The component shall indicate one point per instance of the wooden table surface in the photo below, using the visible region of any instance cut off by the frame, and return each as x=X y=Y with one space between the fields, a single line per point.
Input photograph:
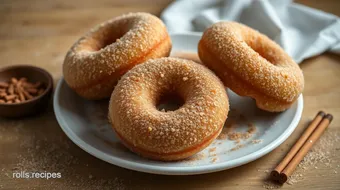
x=39 y=32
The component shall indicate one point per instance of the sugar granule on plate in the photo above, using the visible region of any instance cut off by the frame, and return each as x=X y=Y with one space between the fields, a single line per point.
x=213 y=149
x=256 y=141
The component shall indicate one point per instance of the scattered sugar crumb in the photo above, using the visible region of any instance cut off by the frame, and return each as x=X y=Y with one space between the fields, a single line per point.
x=222 y=136
x=270 y=185
x=265 y=171
x=294 y=178
x=256 y=141
x=251 y=128
x=237 y=147
x=196 y=157
x=214 y=160
x=212 y=149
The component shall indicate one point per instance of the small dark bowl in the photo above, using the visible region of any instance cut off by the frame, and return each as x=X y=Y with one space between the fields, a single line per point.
x=32 y=106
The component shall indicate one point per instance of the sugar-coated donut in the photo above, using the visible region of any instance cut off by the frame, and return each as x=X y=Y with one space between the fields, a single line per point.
x=168 y=135
x=96 y=61
x=251 y=64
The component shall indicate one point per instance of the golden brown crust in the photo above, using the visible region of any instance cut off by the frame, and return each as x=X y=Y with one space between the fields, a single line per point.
x=170 y=135
x=96 y=61
x=250 y=64
x=173 y=155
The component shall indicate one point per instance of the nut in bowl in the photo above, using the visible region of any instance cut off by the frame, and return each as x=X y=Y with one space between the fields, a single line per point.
x=24 y=90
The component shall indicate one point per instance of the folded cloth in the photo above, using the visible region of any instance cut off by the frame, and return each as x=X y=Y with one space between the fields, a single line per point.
x=301 y=31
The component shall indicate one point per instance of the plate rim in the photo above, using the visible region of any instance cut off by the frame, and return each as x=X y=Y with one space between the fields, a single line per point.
x=175 y=170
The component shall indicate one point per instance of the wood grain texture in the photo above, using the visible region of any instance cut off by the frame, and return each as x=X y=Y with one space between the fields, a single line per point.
x=39 y=32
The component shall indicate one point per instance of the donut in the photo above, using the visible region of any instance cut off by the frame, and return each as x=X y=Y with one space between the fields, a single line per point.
x=168 y=134
x=94 y=64
x=252 y=65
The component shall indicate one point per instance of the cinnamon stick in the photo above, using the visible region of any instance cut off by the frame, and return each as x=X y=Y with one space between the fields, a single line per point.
x=305 y=148
x=276 y=172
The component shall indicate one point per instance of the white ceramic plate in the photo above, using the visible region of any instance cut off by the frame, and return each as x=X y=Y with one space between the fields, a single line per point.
x=85 y=123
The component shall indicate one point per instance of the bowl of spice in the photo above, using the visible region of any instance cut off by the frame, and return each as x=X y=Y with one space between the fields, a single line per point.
x=24 y=90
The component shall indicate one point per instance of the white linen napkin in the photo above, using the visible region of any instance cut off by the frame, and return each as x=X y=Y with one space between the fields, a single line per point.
x=301 y=31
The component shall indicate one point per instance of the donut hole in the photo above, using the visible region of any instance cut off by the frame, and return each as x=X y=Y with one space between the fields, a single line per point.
x=169 y=102
x=102 y=39
x=265 y=56
x=262 y=50
x=108 y=40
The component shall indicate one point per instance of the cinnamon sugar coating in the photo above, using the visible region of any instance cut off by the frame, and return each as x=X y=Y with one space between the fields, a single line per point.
x=168 y=135
x=97 y=60
x=251 y=64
